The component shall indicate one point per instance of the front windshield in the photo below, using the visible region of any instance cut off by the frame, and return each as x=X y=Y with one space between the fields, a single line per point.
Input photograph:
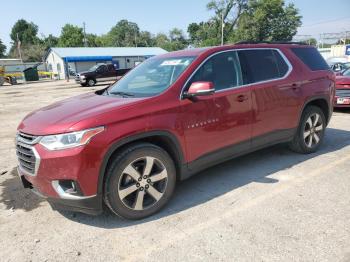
x=150 y=77
x=346 y=72
x=93 y=69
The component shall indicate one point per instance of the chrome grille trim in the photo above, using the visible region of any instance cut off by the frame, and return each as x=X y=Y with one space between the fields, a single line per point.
x=28 y=157
x=342 y=92
x=27 y=139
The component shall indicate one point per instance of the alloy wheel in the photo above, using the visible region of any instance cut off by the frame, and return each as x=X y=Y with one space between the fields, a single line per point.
x=313 y=130
x=142 y=183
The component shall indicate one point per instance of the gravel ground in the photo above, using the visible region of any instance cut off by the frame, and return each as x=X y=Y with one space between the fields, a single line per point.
x=272 y=205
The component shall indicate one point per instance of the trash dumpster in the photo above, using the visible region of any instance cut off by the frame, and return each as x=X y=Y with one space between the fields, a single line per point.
x=31 y=74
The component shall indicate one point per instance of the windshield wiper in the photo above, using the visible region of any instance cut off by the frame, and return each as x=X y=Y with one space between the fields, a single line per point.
x=123 y=94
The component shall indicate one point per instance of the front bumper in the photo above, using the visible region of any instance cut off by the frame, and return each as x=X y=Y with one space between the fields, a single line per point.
x=68 y=178
x=91 y=205
x=80 y=80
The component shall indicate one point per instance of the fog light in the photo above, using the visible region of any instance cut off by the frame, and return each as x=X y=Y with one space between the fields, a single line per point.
x=67 y=188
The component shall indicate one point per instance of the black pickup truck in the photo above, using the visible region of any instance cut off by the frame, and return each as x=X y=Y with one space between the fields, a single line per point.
x=100 y=73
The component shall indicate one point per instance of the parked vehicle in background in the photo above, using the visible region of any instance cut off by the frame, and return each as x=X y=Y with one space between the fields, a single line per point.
x=99 y=73
x=342 y=93
x=339 y=67
x=6 y=78
x=171 y=117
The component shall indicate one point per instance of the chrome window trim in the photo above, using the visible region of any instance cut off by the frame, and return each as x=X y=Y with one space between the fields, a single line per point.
x=290 y=68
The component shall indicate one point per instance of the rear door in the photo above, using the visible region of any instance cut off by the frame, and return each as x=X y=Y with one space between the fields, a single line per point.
x=111 y=74
x=215 y=123
x=275 y=98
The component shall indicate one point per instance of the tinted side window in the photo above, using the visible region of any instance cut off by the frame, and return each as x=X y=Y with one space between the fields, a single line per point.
x=223 y=70
x=261 y=65
x=311 y=57
x=102 y=69
x=281 y=64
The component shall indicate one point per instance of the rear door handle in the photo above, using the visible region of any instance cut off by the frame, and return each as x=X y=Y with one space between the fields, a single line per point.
x=241 y=98
x=293 y=86
x=296 y=85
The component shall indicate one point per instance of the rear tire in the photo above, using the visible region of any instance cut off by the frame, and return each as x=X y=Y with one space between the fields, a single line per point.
x=310 y=133
x=140 y=181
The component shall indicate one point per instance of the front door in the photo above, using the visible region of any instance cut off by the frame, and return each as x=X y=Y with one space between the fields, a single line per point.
x=218 y=125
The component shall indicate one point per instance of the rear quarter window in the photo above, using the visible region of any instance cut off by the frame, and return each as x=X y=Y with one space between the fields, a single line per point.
x=311 y=57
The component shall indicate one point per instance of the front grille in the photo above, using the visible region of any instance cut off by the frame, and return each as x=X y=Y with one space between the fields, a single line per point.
x=342 y=92
x=28 y=158
x=27 y=139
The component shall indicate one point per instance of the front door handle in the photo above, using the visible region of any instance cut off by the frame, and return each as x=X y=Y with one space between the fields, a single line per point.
x=241 y=98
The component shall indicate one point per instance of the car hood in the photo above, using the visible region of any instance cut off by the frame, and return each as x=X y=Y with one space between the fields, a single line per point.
x=86 y=73
x=342 y=80
x=61 y=117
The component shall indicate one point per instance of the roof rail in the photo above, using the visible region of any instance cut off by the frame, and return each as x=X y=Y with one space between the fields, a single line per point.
x=269 y=42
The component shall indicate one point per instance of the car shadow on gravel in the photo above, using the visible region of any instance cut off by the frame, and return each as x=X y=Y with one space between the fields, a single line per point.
x=14 y=196
x=223 y=178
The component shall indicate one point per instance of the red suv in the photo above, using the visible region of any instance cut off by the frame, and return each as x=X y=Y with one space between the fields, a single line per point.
x=126 y=146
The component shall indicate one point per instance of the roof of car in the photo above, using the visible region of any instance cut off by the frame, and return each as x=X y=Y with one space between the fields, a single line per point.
x=240 y=45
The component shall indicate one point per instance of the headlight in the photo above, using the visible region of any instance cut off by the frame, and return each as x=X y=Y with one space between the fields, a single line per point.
x=82 y=77
x=69 y=140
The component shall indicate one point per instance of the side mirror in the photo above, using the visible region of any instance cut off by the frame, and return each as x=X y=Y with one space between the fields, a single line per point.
x=200 y=89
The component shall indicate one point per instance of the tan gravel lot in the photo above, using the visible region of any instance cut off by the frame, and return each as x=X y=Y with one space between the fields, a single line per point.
x=272 y=205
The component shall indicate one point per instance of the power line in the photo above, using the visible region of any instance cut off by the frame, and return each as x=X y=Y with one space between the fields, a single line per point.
x=324 y=22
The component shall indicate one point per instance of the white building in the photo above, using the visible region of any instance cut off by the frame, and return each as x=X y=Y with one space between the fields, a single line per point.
x=63 y=60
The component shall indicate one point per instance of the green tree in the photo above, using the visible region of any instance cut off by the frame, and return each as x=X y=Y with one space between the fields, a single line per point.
x=227 y=13
x=161 y=40
x=27 y=32
x=103 y=40
x=2 y=49
x=204 y=34
x=50 y=41
x=30 y=52
x=93 y=40
x=145 y=39
x=71 y=36
x=124 y=33
x=175 y=41
x=268 y=20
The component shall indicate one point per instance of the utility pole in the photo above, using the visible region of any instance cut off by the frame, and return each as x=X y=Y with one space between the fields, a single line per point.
x=85 y=41
x=135 y=38
x=19 y=48
x=222 y=27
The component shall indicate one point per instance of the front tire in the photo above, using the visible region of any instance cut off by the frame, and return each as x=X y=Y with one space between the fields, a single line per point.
x=310 y=134
x=140 y=181
x=91 y=82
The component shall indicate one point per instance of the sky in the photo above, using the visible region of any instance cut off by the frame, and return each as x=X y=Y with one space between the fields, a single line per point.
x=319 y=16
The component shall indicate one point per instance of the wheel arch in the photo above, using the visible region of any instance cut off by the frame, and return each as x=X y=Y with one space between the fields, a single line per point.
x=163 y=139
x=320 y=101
